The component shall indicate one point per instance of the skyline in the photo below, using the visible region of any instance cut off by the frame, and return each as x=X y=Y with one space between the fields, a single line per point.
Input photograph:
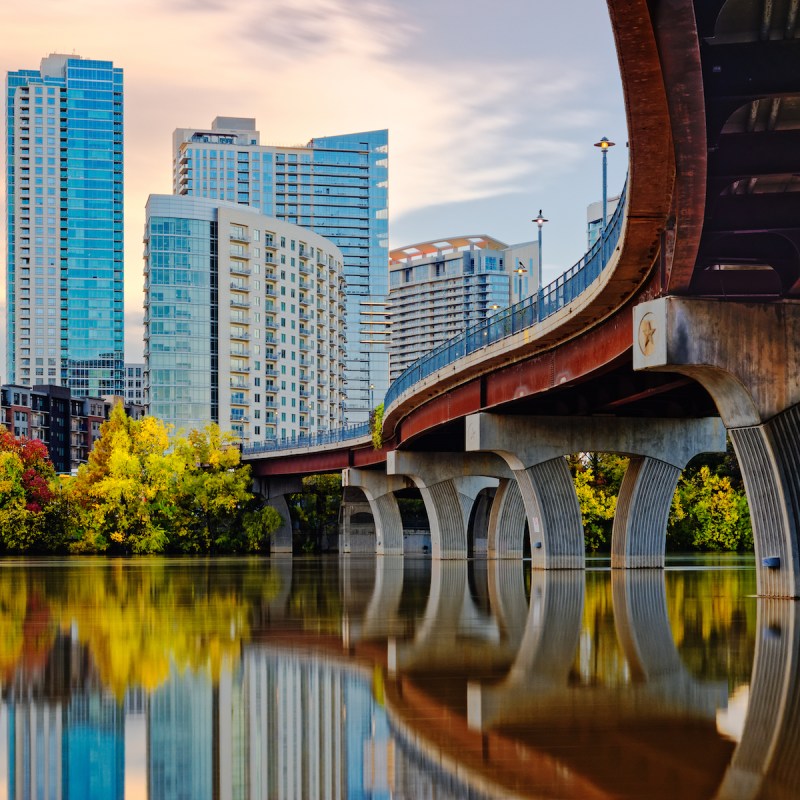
x=467 y=154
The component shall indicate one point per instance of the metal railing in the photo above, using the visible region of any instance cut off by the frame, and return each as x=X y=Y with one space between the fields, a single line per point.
x=522 y=315
x=304 y=440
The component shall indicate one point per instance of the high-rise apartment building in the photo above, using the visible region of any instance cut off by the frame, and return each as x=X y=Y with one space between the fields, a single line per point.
x=134 y=383
x=243 y=321
x=439 y=288
x=335 y=185
x=64 y=225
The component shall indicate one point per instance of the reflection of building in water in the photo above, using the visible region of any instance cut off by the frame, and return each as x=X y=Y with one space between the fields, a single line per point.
x=66 y=750
x=280 y=726
x=180 y=738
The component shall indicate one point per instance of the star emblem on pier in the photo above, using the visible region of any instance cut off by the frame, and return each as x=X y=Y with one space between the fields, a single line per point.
x=647 y=334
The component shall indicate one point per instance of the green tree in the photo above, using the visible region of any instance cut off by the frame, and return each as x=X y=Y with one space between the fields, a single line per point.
x=709 y=514
x=598 y=477
x=316 y=508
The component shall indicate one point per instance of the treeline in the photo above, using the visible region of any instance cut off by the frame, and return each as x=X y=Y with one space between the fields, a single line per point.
x=709 y=510
x=142 y=491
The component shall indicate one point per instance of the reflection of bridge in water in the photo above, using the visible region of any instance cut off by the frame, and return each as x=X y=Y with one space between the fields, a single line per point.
x=530 y=725
x=451 y=676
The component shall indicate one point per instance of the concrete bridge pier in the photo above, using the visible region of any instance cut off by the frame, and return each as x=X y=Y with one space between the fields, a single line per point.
x=449 y=484
x=274 y=492
x=747 y=356
x=534 y=449
x=506 y=521
x=379 y=490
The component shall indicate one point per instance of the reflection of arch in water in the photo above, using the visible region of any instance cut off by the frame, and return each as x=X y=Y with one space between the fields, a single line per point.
x=453 y=632
x=545 y=655
x=279 y=571
x=380 y=618
x=766 y=763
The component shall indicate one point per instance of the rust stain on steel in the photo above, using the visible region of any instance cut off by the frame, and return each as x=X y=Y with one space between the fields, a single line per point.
x=305 y=464
x=459 y=402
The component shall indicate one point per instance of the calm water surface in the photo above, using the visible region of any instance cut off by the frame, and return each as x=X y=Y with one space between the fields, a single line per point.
x=393 y=678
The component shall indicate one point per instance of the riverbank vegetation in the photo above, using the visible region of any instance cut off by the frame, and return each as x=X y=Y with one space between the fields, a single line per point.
x=142 y=491
x=709 y=510
x=146 y=491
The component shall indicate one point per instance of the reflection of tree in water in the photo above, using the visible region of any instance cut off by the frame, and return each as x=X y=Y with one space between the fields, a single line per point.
x=712 y=616
x=135 y=618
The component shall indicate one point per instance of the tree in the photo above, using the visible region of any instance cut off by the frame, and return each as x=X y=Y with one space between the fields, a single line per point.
x=31 y=505
x=316 y=508
x=598 y=477
x=709 y=514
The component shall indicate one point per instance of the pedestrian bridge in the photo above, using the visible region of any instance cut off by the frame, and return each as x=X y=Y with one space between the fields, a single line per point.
x=681 y=325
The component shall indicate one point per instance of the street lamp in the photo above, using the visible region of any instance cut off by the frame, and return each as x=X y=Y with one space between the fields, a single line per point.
x=604 y=145
x=540 y=221
x=371 y=396
x=520 y=271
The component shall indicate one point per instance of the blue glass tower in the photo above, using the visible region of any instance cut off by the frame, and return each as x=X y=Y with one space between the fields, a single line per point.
x=338 y=187
x=65 y=225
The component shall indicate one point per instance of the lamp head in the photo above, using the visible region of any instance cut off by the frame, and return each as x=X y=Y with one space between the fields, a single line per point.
x=604 y=144
x=540 y=220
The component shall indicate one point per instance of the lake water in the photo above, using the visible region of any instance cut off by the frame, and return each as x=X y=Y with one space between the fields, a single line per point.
x=394 y=678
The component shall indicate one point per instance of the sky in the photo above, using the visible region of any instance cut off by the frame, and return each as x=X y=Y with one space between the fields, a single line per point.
x=492 y=107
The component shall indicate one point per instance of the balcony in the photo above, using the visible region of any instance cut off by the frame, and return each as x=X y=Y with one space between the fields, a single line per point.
x=239 y=302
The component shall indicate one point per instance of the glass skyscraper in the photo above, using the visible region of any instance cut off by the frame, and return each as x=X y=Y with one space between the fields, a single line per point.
x=338 y=187
x=65 y=225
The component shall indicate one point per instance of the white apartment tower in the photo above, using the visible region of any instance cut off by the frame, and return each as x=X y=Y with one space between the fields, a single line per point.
x=244 y=321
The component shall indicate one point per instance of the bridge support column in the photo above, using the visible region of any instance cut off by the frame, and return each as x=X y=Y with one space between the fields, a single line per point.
x=379 y=490
x=533 y=447
x=274 y=491
x=640 y=521
x=506 y=521
x=747 y=356
x=449 y=484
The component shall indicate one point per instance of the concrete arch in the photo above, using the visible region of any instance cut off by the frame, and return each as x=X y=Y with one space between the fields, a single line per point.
x=379 y=492
x=478 y=525
x=506 y=521
x=759 y=401
x=449 y=484
x=640 y=522
x=534 y=448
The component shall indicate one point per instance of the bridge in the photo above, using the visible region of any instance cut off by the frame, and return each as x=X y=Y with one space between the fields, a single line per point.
x=680 y=325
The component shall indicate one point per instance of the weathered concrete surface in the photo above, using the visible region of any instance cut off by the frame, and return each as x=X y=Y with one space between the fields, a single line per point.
x=379 y=490
x=638 y=536
x=524 y=441
x=506 y=522
x=534 y=448
x=281 y=541
x=356 y=537
x=449 y=484
x=274 y=491
x=747 y=356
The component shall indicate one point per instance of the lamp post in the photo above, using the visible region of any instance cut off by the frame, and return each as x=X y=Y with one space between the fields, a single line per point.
x=520 y=272
x=540 y=221
x=604 y=145
x=371 y=397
